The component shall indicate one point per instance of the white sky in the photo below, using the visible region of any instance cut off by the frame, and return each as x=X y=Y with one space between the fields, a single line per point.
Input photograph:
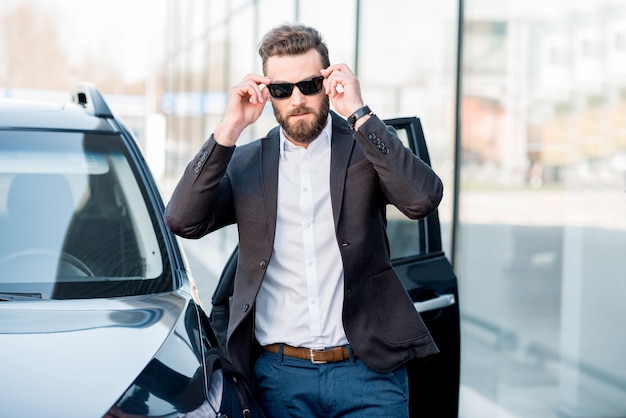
x=129 y=32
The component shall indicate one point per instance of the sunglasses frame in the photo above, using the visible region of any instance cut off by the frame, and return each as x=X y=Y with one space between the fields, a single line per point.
x=308 y=87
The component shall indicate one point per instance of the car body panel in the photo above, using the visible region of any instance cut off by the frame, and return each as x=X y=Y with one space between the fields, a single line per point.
x=83 y=346
x=428 y=277
x=19 y=114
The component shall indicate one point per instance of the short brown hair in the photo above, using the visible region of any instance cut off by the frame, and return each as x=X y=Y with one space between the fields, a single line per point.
x=292 y=39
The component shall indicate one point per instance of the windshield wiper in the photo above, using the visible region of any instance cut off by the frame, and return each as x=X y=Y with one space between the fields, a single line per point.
x=9 y=296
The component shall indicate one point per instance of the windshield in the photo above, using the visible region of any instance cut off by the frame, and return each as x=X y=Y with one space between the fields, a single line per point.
x=73 y=218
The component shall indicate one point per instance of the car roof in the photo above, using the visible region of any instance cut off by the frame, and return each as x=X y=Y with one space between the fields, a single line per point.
x=86 y=112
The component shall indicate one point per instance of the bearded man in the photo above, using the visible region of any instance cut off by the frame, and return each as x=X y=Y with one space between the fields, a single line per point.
x=320 y=324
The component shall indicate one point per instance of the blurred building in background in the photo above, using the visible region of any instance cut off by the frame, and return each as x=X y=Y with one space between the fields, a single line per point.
x=523 y=105
x=535 y=206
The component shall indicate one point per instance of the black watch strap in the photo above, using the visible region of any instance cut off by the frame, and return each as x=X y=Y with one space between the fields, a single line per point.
x=358 y=114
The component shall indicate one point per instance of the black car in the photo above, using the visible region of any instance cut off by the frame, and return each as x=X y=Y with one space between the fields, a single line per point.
x=97 y=310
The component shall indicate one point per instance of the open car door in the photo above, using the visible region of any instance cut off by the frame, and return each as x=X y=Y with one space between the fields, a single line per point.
x=427 y=275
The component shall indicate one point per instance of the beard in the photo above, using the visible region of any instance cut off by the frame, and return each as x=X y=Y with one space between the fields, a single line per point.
x=304 y=132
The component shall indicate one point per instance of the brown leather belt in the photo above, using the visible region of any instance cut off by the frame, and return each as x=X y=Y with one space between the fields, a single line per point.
x=317 y=356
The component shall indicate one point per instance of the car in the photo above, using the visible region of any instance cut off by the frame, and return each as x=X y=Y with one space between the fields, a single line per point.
x=98 y=312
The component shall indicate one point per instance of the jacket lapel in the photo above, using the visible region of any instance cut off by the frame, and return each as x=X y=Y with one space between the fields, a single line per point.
x=341 y=149
x=270 y=154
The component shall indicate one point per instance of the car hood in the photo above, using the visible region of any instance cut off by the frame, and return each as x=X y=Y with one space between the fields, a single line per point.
x=75 y=358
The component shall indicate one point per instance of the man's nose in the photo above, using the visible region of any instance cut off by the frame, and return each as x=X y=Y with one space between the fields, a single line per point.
x=297 y=98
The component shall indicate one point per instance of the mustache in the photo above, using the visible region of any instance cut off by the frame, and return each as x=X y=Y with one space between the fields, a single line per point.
x=300 y=110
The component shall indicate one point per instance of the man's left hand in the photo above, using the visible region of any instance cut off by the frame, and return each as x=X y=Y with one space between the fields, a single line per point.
x=343 y=89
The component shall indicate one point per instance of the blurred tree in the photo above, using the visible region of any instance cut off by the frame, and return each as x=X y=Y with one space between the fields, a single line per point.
x=105 y=76
x=33 y=56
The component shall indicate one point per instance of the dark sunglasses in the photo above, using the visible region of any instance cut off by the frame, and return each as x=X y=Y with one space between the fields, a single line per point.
x=308 y=87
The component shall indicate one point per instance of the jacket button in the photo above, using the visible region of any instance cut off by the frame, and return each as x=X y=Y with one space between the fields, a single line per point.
x=263 y=264
x=345 y=244
x=246 y=307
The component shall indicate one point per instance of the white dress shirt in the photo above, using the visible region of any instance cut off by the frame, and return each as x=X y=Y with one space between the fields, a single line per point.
x=301 y=298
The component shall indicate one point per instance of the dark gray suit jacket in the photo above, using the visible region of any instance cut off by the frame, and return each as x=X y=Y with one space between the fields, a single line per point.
x=369 y=169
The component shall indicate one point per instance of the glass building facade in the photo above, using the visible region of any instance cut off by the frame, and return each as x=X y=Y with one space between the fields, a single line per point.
x=523 y=105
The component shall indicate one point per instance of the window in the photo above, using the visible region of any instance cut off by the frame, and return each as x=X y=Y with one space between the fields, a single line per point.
x=75 y=214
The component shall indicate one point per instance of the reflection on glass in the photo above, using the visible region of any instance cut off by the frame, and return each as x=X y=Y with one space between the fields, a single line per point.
x=72 y=212
x=543 y=207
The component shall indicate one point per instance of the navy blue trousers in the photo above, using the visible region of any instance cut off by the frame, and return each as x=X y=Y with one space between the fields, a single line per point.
x=290 y=387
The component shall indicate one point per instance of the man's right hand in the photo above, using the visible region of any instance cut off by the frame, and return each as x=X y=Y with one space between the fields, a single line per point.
x=245 y=104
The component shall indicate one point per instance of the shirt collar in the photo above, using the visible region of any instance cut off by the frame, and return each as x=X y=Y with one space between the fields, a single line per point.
x=324 y=136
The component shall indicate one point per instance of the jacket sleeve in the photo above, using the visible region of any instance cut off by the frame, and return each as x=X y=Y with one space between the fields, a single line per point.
x=202 y=199
x=407 y=182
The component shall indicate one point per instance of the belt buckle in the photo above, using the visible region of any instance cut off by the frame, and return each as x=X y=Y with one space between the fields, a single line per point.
x=312 y=352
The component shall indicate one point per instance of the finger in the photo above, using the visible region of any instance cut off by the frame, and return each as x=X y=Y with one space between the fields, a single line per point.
x=253 y=85
x=337 y=67
x=265 y=93
x=337 y=82
x=257 y=79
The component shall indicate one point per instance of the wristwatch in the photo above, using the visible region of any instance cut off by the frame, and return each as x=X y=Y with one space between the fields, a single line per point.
x=358 y=114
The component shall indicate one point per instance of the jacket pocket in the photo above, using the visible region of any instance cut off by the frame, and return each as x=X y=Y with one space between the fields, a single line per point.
x=398 y=321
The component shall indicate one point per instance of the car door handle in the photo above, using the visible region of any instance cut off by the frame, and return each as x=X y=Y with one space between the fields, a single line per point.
x=439 y=302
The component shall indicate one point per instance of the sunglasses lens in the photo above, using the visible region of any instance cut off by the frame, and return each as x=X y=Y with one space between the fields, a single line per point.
x=311 y=86
x=307 y=87
x=280 y=90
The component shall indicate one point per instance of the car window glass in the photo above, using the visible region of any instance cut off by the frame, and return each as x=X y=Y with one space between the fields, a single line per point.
x=74 y=212
x=404 y=234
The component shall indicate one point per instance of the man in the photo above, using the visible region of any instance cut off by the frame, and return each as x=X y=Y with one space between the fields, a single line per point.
x=319 y=322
